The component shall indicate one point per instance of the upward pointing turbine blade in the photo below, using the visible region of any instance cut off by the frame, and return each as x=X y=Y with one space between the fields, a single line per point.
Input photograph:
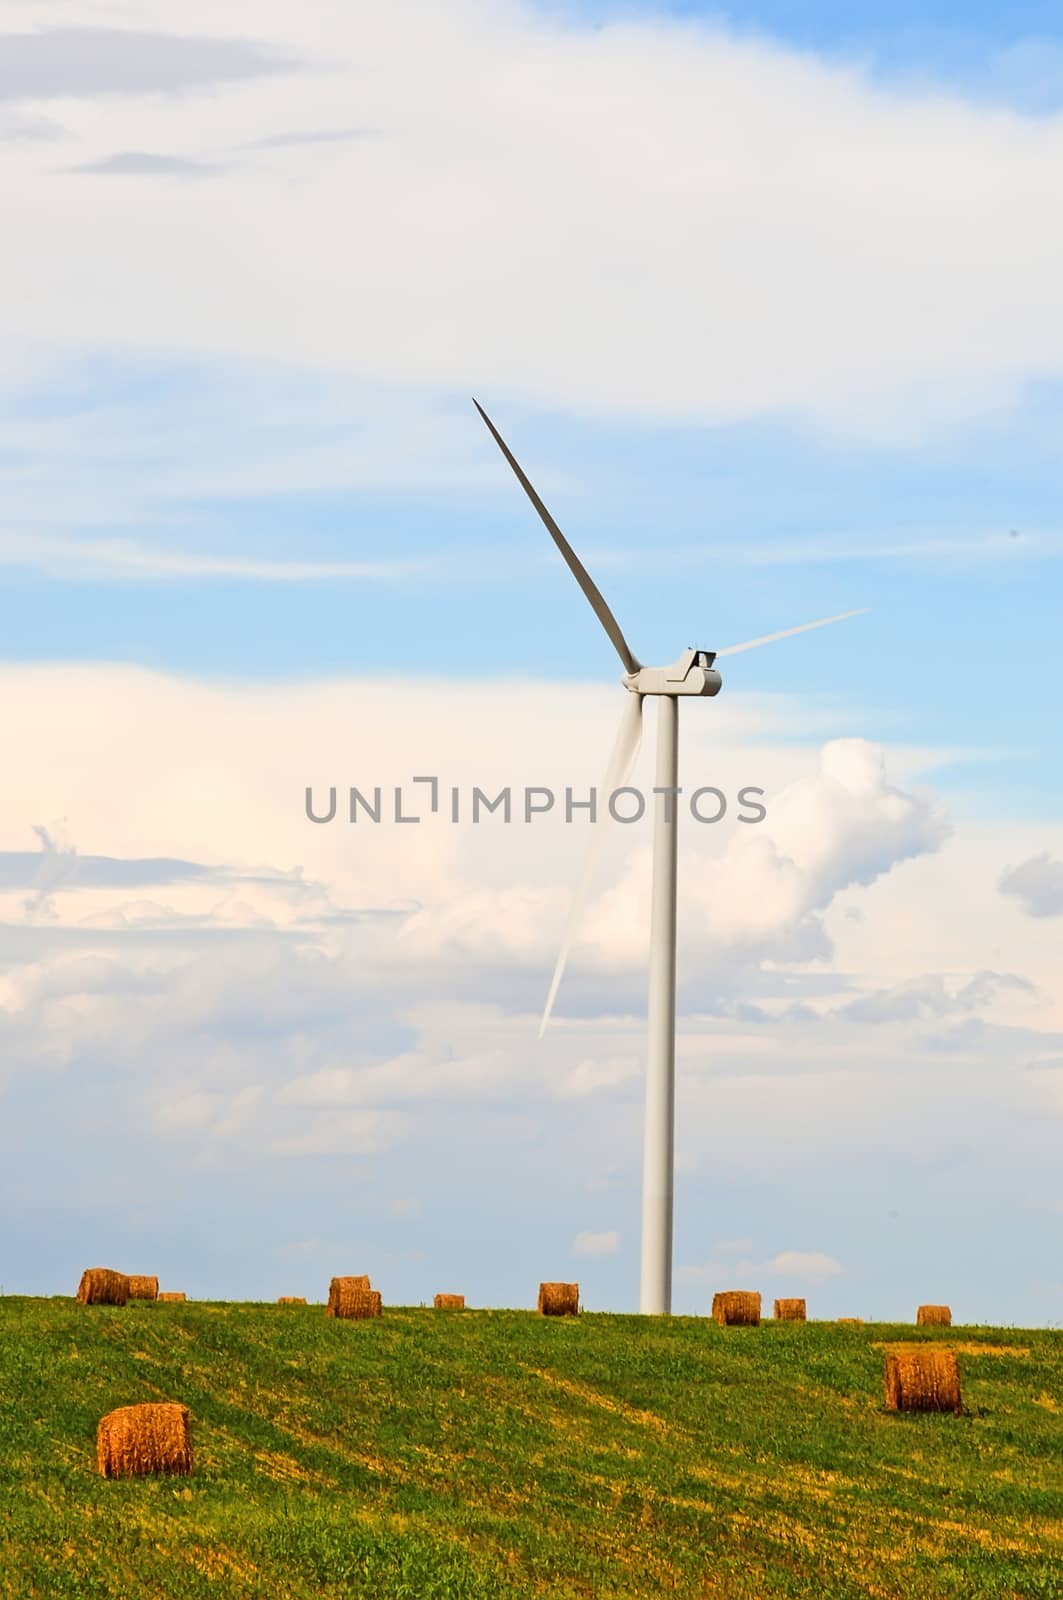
x=578 y=570
x=788 y=633
x=626 y=748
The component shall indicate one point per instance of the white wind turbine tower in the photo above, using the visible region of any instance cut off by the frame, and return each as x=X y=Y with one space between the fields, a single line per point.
x=693 y=673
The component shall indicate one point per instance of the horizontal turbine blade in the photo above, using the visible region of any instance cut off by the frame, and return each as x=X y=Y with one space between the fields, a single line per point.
x=788 y=633
x=625 y=750
x=578 y=570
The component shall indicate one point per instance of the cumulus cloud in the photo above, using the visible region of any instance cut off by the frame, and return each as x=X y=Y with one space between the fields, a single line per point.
x=1037 y=884
x=596 y=1244
x=236 y=1014
x=761 y=898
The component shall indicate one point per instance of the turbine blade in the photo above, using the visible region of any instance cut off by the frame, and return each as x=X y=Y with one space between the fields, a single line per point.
x=625 y=750
x=788 y=633
x=578 y=570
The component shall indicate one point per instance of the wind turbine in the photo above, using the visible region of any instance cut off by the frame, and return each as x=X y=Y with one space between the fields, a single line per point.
x=692 y=673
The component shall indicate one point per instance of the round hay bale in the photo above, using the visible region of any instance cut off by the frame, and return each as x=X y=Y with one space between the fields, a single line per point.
x=559 y=1299
x=173 y=1294
x=291 y=1300
x=934 y=1317
x=136 y=1440
x=141 y=1287
x=790 y=1311
x=922 y=1380
x=850 y=1322
x=449 y=1302
x=100 y=1286
x=737 y=1308
x=341 y=1289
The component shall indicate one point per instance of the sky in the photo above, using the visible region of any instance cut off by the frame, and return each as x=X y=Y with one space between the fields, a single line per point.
x=767 y=301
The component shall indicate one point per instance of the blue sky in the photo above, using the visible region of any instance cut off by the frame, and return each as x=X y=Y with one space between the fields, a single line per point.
x=768 y=307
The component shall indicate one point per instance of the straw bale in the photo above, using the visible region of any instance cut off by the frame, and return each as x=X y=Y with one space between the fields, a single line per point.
x=927 y=1379
x=790 y=1311
x=559 y=1299
x=291 y=1300
x=850 y=1322
x=135 y=1440
x=449 y=1302
x=100 y=1286
x=354 y=1304
x=934 y=1317
x=173 y=1294
x=142 y=1287
x=737 y=1308
x=341 y=1288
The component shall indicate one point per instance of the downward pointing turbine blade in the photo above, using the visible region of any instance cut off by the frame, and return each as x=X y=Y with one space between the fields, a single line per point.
x=578 y=570
x=626 y=748
x=788 y=633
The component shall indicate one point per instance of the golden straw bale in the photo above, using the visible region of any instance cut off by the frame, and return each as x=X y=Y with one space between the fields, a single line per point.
x=850 y=1322
x=559 y=1299
x=341 y=1287
x=922 y=1380
x=173 y=1294
x=790 y=1311
x=135 y=1440
x=737 y=1308
x=354 y=1304
x=291 y=1300
x=141 y=1287
x=934 y=1317
x=100 y=1286
x=449 y=1302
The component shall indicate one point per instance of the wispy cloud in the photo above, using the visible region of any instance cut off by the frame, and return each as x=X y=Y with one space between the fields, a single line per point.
x=145 y=164
x=592 y=1245
x=128 y=559
x=309 y=136
x=806 y=1266
x=79 y=63
x=964 y=549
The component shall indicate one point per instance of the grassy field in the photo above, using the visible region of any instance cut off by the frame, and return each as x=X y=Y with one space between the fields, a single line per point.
x=491 y=1455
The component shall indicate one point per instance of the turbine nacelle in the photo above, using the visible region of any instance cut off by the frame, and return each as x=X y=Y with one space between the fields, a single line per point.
x=692 y=673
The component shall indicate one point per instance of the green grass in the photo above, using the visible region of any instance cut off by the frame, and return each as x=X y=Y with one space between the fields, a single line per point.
x=496 y=1455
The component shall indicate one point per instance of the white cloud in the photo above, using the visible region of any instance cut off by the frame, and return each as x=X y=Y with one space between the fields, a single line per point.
x=357 y=1133
x=596 y=1244
x=761 y=897
x=803 y=1266
x=933 y=996
x=590 y=1076
x=260 y=1010
x=772 y=233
